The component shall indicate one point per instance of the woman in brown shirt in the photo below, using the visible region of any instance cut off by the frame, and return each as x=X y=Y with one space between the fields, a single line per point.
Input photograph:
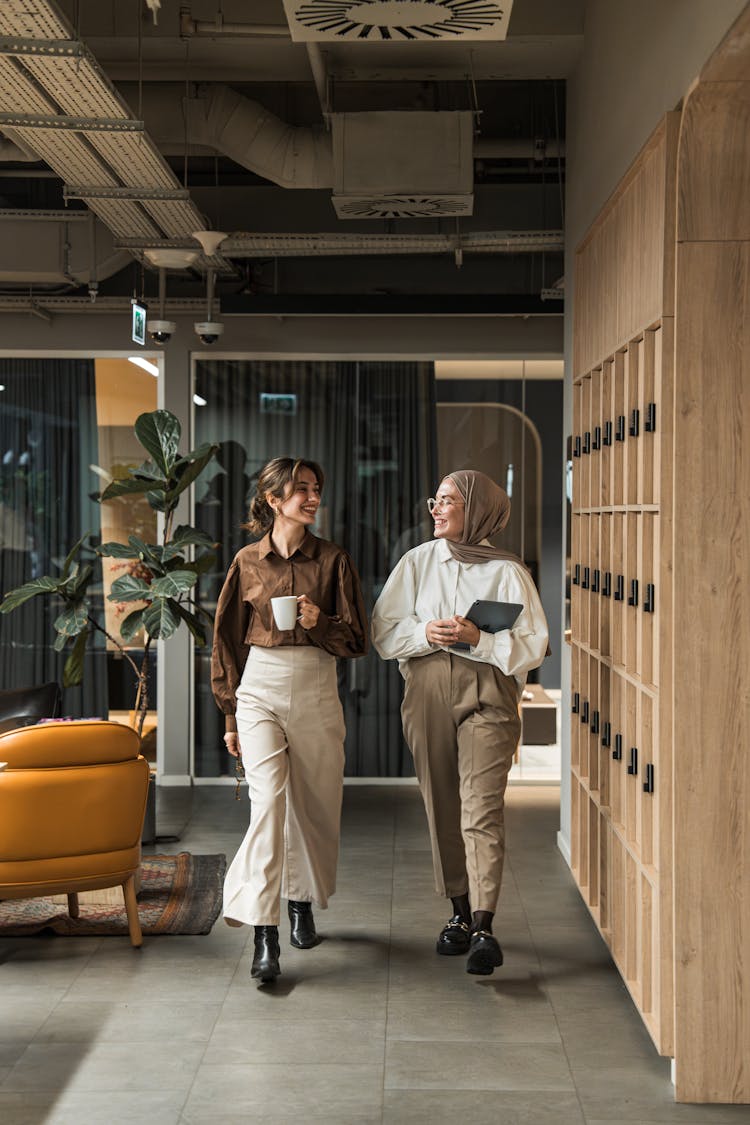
x=279 y=695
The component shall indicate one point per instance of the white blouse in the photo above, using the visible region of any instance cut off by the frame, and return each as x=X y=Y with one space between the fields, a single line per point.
x=428 y=584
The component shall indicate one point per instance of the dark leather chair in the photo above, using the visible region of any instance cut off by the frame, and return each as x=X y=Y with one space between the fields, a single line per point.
x=20 y=707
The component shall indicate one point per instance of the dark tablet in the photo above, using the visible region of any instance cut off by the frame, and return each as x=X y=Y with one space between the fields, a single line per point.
x=491 y=617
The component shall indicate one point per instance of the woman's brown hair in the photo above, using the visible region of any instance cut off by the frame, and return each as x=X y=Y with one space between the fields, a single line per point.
x=274 y=477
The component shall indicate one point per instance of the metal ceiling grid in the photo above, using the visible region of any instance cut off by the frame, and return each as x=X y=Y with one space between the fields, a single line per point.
x=67 y=155
x=121 y=215
x=77 y=85
x=134 y=159
x=177 y=216
x=17 y=94
x=32 y=19
x=58 y=83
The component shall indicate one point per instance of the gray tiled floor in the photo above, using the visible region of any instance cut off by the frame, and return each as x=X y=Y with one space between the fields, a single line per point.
x=370 y=1026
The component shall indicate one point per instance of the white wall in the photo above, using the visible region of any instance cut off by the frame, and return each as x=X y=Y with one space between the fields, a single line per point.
x=638 y=61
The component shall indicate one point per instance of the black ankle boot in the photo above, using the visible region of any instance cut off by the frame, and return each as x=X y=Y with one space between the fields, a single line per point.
x=266 y=960
x=303 y=934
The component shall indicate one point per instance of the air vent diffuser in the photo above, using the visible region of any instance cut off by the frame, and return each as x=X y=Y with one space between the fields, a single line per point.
x=402 y=164
x=401 y=206
x=402 y=21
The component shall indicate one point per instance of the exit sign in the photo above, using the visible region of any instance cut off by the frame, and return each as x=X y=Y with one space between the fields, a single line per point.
x=278 y=404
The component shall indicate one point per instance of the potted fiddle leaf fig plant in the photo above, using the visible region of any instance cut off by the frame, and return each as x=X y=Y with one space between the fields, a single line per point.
x=162 y=576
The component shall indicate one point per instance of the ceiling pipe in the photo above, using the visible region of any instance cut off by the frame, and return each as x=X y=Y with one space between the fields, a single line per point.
x=320 y=78
x=222 y=29
x=521 y=149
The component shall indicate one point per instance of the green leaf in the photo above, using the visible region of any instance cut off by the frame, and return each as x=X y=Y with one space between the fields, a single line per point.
x=192 y=623
x=148 y=471
x=116 y=551
x=188 y=471
x=72 y=619
x=160 y=618
x=21 y=594
x=173 y=584
x=131 y=624
x=173 y=560
x=129 y=589
x=203 y=564
x=159 y=432
x=185 y=536
x=72 y=554
x=75 y=586
x=200 y=451
x=73 y=669
x=158 y=500
x=151 y=553
x=125 y=488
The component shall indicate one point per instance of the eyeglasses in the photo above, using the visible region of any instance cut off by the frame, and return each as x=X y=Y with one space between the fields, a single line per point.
x=445 y=503
x=239 y=773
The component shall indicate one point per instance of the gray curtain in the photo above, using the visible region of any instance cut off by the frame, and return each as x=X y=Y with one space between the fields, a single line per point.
x=371 y=427
x=48 y=441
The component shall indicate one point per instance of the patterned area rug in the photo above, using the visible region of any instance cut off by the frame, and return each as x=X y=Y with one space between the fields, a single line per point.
x=180 y=894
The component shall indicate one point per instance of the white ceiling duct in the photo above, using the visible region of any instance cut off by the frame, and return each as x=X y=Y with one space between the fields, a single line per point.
x=380 y=165
x=58 y=248
x=249 y=134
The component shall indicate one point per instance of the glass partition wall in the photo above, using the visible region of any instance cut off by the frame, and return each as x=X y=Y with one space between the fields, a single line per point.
x=371 y=427
x=66 y=429
x=381 y=430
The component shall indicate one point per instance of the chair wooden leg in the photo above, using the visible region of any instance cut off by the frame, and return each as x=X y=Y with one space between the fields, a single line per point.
x=73 y=910
x=131 y=908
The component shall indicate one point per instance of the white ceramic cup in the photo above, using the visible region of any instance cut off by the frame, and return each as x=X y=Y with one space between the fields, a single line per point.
x=285 y=612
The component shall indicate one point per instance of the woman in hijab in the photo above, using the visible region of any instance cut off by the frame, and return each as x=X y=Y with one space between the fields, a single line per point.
x=460 y=711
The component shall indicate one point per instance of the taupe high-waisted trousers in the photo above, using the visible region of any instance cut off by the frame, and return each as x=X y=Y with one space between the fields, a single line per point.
x=462 y=725
x=291 y=730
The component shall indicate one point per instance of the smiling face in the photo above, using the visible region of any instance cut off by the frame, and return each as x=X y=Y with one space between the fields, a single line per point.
x=449 y=512
x=301 y=499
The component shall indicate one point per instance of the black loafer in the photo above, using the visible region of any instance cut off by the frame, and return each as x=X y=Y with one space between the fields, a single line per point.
x=266 y=966
x=303 y=933
x=485 y=954
x=454 y=937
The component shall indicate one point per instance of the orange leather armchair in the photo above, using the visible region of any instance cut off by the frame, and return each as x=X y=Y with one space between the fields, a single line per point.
x=72 y=802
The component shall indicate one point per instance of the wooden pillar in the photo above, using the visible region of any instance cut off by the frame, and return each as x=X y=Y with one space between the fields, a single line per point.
x=711 y=652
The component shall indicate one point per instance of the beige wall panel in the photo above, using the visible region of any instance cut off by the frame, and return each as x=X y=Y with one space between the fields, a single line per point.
x=714 y=136
x=620 y=281
x=712 y=672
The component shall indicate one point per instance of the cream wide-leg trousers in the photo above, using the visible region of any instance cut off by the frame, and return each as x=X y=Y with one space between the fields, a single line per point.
x=291 y=730
x=462 y=726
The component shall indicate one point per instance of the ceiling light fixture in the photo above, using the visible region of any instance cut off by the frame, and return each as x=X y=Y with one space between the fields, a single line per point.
x=199 y=400
x=209 y=240
x=146 y=364
x=170 y=257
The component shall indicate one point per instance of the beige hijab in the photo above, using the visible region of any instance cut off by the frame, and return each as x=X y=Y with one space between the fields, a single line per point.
x=487 y=512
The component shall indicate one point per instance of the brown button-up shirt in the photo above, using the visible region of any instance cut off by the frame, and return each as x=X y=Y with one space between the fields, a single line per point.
x=321 y=570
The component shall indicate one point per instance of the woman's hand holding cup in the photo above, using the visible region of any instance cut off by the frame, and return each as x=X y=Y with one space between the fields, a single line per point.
x=308 y=612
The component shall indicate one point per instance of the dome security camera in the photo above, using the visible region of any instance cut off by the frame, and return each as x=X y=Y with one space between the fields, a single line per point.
x=209 y=330
x=161 y=331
